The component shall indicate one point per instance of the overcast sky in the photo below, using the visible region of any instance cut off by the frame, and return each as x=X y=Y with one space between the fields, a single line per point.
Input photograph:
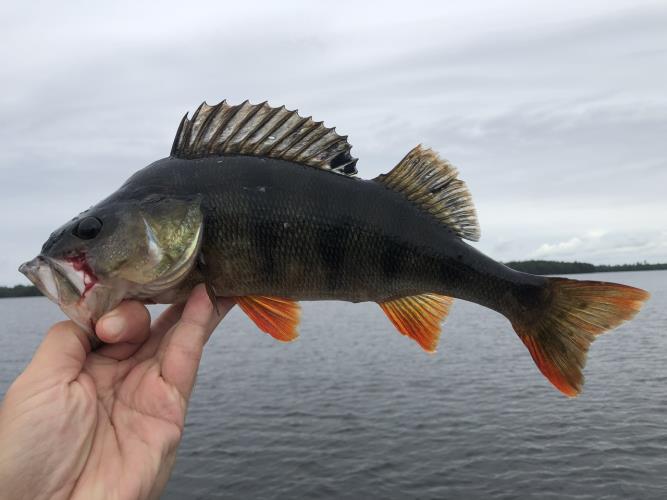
x=555 y=113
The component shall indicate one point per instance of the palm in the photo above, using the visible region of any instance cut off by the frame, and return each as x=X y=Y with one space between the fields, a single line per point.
x=113 y=428
x=139 y=419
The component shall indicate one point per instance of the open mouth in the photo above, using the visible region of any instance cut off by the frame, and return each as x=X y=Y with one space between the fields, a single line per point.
x=73 y=285
x=62 y=281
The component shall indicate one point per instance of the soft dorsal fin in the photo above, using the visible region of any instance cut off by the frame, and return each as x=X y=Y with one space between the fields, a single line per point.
x=419 y=317
x=260 y=130
x=432 y=183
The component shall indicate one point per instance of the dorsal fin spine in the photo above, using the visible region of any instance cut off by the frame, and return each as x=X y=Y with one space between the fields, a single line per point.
x=179 y=134
x=193 y=121
x=221 y=127
x=328 y=146
x=305 y=143
x=262 y=131
x=315 y=153
x=269 y=116
x=266 y=118
x=275 y=127
x=307 y=128
x=289 y=135
x=205 y=125
x=187 y=130
x=283 y=135
x=239 y=126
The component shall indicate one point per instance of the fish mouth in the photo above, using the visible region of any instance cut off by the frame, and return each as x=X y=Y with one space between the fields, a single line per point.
x=62 y=281
x=72 y=285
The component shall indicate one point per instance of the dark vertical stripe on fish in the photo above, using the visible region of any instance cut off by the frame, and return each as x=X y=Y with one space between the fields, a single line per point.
x=332 y=242
x=267 y=239
x=392 y=260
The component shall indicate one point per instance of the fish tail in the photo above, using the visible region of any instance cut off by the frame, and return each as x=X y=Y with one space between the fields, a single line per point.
x=559 y=328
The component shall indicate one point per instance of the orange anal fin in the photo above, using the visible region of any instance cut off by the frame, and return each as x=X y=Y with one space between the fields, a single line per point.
x=275 y=316
x=419 y=317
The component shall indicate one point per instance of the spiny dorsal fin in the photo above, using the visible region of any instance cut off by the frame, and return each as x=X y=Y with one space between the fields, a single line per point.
x=260 y=130
x=432 y=183
x=419 y=317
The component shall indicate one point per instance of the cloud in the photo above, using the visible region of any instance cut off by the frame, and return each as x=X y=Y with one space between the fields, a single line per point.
x=565 y=247
x=572 y=246
x=605 y=247
x=557 y=125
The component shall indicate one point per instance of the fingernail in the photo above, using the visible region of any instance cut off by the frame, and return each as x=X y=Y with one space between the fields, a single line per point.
x=113 y=326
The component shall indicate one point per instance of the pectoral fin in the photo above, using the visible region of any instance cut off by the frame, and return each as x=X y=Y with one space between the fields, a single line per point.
x=419 y=317
x=273 y=315
x=213 y=296
x=210 y=289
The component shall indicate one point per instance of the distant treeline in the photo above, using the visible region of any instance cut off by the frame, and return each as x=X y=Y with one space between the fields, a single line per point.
x=557 y=267
x=19 y=291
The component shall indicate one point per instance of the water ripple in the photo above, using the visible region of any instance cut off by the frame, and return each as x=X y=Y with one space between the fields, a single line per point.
x=354 y=410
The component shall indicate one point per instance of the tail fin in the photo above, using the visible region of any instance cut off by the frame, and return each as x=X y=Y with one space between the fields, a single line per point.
x=559 y=336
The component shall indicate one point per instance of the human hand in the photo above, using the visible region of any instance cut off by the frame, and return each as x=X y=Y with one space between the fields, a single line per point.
x=106 y=423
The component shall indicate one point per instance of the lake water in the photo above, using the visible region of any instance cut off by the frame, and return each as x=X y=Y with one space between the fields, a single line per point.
x=355 y=410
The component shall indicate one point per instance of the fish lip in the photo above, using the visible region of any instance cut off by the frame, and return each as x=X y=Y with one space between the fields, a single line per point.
x=28 y=267
x=40 y=272
x=50 y=275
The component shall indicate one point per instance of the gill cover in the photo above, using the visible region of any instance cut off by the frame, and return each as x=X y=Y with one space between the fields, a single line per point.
x=171 y=232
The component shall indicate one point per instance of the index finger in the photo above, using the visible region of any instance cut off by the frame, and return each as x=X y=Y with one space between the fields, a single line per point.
x=160 y=327
x=182 y=347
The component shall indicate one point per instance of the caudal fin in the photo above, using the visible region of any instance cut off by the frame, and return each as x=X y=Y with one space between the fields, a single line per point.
x=559 y=336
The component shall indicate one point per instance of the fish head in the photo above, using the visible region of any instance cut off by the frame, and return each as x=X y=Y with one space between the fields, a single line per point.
x=117 y=250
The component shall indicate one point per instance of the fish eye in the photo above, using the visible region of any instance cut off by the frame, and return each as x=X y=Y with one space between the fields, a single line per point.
x=88 y=228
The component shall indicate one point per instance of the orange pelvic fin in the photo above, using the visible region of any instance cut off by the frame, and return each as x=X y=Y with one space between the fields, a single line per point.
x=275 y=316
x=419 y=317
x=559 y=336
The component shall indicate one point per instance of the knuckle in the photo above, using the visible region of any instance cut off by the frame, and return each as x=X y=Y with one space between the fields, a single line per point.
x=63 y=327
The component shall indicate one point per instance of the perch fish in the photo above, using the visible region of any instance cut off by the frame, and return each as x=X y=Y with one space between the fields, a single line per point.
x=264 y=206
